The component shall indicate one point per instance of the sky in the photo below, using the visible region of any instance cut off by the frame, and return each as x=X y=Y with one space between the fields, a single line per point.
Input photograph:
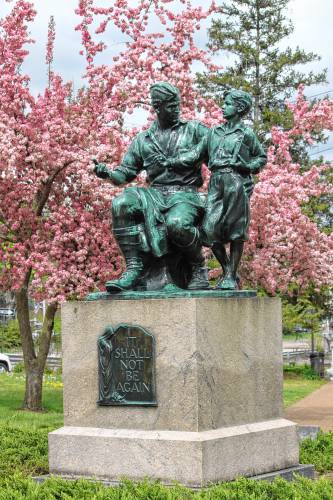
x=312 y=21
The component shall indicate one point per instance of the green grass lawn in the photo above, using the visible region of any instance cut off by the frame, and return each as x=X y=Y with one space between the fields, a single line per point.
x=23 y=453
x=12 y=391
x=296 y=388
x=11 y=397
x=23 y=434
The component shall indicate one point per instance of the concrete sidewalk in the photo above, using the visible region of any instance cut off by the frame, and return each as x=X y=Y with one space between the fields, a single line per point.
x=315 y=409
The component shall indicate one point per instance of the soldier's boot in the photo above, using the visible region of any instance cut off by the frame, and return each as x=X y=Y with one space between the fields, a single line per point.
x=129 y=278
x=199 y=278
x=130 y=243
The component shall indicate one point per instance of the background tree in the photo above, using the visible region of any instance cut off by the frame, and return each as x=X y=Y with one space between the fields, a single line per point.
x=251 y=31
x=55 y=239
x=287 y=253
x=306 y=310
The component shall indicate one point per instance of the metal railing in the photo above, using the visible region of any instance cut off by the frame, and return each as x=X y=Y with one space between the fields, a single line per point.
x=52 y=362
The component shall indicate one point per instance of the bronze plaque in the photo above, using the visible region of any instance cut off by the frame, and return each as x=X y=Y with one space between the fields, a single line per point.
x=126 y=359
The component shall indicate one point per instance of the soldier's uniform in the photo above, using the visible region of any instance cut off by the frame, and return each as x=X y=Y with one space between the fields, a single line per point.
x=170 y=209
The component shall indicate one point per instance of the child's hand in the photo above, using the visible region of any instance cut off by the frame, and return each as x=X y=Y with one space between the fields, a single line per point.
x=241 y=167
x=221 y=163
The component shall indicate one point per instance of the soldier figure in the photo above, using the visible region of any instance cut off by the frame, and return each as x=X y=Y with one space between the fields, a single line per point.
x=149 y=221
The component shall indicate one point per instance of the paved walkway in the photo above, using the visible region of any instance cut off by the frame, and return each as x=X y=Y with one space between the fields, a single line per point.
x=315 y=409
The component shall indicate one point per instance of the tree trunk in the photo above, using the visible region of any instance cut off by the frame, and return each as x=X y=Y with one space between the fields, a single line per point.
x=34 y=363
x=33 y=388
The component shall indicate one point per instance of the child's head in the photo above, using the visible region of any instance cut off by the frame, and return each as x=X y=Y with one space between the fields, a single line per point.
x=241 y=100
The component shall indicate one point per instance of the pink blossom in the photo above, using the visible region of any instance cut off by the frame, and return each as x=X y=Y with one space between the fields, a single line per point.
x=55 y=214
x=285 y=246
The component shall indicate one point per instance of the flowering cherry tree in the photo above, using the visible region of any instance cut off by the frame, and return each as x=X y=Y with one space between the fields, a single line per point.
x=55 y=239
x=285 y=246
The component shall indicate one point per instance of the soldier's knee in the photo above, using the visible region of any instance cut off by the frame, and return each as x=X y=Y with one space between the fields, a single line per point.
x=121 y=205
x=178 y=226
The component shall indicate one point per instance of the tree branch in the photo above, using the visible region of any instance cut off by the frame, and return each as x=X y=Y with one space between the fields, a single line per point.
x=43 y=193
x=46 y=335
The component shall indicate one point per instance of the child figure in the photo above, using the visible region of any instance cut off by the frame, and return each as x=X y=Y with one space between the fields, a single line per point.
x=234 y=154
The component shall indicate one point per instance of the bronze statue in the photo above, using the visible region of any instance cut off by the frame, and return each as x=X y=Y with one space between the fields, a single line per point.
x=156 y=227
x=234 y=155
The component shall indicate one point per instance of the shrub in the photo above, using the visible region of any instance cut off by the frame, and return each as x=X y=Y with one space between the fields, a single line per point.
x=10 y=336
x=19 y=367
x=23 y=450
x=303 y=371
x=318 y=452
x=19 y=488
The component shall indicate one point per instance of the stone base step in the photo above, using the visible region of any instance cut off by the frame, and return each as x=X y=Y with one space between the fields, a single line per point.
x=194 y=459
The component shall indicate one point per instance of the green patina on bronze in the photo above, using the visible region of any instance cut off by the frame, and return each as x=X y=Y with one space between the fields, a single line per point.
x=126 y=364
x=161 y=228
x=173 y=294
x=157 y=227
x=234 y=155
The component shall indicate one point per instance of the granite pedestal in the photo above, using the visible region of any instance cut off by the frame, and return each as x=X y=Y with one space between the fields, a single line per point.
x=218 y=388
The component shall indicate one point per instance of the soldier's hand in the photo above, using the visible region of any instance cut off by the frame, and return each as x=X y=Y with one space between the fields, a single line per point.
x=157 y=164
x=101 y=170
x=161 y=161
